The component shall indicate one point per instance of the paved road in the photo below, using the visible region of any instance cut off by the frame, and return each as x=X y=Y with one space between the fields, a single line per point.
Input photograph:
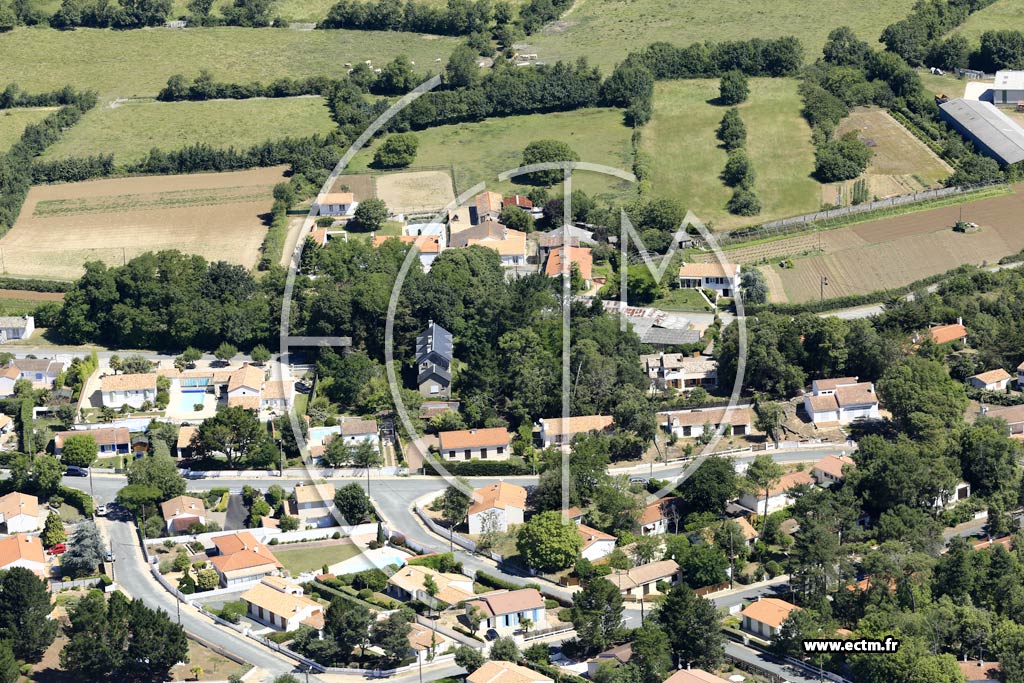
x=132 y=573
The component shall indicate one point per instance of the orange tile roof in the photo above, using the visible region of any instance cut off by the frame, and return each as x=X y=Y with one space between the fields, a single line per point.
x=430 y=245
x=319 y=236
x=243 y=559
x=581 y=256
x=105 y=436
x=500 y=495
x=277 y=388
x=182 y=505
x=694 y=676
x=488 y=202
x=509 y=602
x=185 y=435
x=740 y=415
x=423 y=638
x=590 y=536
x=975 y=670
x=644 y=574
x=335 y=198
x=21 y=547
x=280 y=597
x=506 y=672
x=1012 y=414
x=16 y=503
x=791 y=481
x=749 y=532
x=136 y=382
x=655 y=511
x=823 y=403
x=942 y=334
x=714 y=269
x=513 y=244
x=474 y=438
x=315 y=493
x=833 y=384
x=10 y=372
x=992 y=376
x=249 y=402
x=518 y=200
x=771 y=611
x=833 y=465
x=243 y=542
x=246 y=376
x=857 y=394
x=576 y=425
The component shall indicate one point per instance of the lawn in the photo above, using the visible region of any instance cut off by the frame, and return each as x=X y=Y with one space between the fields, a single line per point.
x=605 y=31
x=478 y=152
x=138 y=63
x=682 y=300
x=686 y=157
x=1001 y=15
x=133 y=128
x=13 y=122
x=313 y=558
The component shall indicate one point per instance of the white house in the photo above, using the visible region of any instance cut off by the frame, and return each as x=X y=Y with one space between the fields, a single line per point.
x=336 y=204
x=42 y=372
x=659 y=517
x=947 y=499
x=841 y=400
x=242 y=559
x=1008 y=90
x=778 y=496
x=182 y=512
x=245 y=382
x=1013 y=415
x=765 y=617
x=355 y=432
x=16 y=327
x=692 y=423
x=556 y=431
x=282 y=605
x=495 y=507
x=19 y=513
x=8 y=376
x=680 y=371
x=510 y=244
x=829 y=470
x=128 y=390
x=426 y=643
x=724 y=280
x=111 y=440
x=469 y=444
x=277 y=394
x=643 y=580
x=504 y=611
x=429 y=247
x=596 y=544
x=314 y=504
x=993 y=380
x=21 y=550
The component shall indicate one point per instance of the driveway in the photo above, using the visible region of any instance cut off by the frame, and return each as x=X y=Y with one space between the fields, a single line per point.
x=236 y=513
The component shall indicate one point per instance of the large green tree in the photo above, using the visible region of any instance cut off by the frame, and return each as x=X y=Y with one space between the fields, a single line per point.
x=693 y=628
x=24 y=614
x=549 y=543
x=159 y=472
x=543 y=152
x=79 y=450
x=596 y=614
x=234 y=431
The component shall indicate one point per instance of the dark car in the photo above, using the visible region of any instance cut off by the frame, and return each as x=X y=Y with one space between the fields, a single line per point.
x=75 y=471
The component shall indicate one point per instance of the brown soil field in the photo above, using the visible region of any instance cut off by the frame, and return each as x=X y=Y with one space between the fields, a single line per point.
x=215 y=215
x=415 y=191
x=359 y=184
x=897 y=251
x=26 y=295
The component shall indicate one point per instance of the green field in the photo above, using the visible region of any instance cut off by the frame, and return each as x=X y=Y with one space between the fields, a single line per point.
x=138 y=63
x=13 y=122
x=478 y=152
x=314 y=558
x=686 y=157
x=682 y=300
x=605 y=31
x=1001 y=15
x=132 y=129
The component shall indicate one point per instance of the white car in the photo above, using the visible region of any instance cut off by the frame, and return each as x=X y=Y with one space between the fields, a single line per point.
x=101 y=510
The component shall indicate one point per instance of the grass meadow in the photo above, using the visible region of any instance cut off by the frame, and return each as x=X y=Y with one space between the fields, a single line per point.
x=478 y=152
x=686 y=157
x=131 y=129
x=13 y=122
x=138 y=63
x=1000 y=15
x=605 y=31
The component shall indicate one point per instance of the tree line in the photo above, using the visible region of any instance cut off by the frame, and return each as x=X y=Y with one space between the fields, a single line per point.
x=133 y=14
x=917 y=38
x=16 y=165
x=13 y=96
x=456 y=18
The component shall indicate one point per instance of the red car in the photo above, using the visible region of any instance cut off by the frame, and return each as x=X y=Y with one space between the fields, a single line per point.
x=57 y=549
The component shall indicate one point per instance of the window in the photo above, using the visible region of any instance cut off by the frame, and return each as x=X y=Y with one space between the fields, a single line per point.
x=468 y=454
x=501 y=450
x=434 y=389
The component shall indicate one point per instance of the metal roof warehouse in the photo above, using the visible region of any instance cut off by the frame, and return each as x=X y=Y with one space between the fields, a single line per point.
x=993 y=132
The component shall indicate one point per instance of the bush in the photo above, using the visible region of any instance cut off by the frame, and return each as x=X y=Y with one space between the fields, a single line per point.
x=744 y=202
x=842 y=159
x=398 y=151
x=166 y=566
x=79 y=500
x=365 y=594
x=733 y=88
x=738 y=170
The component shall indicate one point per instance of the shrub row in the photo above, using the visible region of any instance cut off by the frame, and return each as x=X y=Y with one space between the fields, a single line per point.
x=14 y=96
x=80 y=500
x=33 y=285
x=492 y=581
x=481 y=468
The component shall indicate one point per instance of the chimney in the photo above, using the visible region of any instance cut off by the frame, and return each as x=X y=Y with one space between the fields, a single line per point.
x=696 y=354
x=959 y=320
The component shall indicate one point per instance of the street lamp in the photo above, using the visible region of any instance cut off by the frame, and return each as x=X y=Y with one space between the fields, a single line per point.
x=824 y=284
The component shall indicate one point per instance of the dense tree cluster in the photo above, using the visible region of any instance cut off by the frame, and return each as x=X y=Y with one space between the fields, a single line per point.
x=124 y=14
x=168 y=300
x=204 y=87
x=914 y=36
x=457 y=18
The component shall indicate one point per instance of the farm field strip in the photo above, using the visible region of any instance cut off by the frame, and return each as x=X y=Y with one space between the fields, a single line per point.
x=1000 y=15
x=223 y=222
x=896 y=251
x=159 y=200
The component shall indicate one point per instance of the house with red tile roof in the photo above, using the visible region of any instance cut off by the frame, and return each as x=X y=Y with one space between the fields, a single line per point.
x=993 y=380
x=242 y=559
x=841 y=401
x=660 y=516
x=765 y=617
x=829 y=470
x=504 y=611
x=556 y=431
x=22 y=550
x=778 y=496
x=282 y=605
x=495 y=507
x=723 y=279
x=470 y=444
x=182 y=512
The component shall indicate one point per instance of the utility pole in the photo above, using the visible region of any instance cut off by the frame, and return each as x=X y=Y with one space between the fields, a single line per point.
x=824 y=284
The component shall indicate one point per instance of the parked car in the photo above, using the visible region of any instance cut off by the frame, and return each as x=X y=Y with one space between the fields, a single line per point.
x=58 y=549
x=75 y=471
x=109 y=557
x=101 y=510
x=491 y=634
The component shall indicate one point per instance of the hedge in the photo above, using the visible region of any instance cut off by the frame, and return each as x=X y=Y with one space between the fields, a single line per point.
x=25 y=427
x=480 y=468
x=80 y=500
x=494 y=582
x=34 y=285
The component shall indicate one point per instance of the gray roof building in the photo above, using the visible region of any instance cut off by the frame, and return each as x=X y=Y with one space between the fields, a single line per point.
x=434 y=352
x=994 y=133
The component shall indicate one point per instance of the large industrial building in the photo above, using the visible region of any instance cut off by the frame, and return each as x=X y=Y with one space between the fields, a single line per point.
x=994 y=133
x=1008 y=90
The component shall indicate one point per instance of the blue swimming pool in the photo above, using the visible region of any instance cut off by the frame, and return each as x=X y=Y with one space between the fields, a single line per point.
x=188 y=400
x=318 y=434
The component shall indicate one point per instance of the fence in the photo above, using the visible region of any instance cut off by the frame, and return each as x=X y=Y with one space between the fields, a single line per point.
x=294 y=473
x=458 y=539
x=799 y=223
x=59 y=585
x=265 y=534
